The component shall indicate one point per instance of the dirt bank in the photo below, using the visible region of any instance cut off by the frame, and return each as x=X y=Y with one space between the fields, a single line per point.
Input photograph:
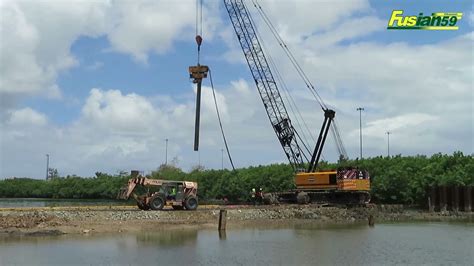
x=40 y=221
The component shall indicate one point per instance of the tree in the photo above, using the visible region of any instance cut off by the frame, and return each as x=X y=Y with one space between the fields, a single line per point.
x=53 y=173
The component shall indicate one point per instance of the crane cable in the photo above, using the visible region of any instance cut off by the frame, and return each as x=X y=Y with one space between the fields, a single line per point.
x=290 y=100
x=287 y=93
x=199 y=42
x=198 y=28
x=280 y=80
x=300 y=71
x=220 y=123
x=290 y=55
x=338 y=140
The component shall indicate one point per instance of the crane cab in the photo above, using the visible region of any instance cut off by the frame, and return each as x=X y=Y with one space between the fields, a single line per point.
x=316 y=180
x=343 y=180
x=353 y=180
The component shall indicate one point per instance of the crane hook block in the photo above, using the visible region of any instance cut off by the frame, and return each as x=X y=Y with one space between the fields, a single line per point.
x=197 y=73
x=198 y=40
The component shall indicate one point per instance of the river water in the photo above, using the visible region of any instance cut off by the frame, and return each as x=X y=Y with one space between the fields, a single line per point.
x=402 y=243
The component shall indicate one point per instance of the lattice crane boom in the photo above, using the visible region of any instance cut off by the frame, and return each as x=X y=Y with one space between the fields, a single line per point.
x=265 y=82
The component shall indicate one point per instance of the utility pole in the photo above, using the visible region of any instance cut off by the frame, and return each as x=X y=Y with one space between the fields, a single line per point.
x=166 y=153
x=222 y=159
x=47 y=166
x=388 y=143
x=360 y=109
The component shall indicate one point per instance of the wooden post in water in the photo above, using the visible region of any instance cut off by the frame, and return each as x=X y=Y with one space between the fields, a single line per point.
x=371 y=220
x=455 y=198
x=443 y=199
x=467 y=198
x=222 y=220
x=222 y=235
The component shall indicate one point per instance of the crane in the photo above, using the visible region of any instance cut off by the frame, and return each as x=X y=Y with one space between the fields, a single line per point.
x=309 y=183
x=294 y=147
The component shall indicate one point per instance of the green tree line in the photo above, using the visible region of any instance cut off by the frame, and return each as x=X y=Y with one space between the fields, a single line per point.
x=394 y=179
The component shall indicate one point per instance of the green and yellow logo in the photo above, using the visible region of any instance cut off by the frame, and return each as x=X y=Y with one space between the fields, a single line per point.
x=437 y=21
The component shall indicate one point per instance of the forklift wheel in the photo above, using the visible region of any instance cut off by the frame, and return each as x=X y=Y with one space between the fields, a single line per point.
x=157 y=203
x=191 y=203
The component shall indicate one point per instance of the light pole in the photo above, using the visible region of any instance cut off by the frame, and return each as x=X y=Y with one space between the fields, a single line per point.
x=166 y=152
x=360 y=109
x=222 y=159
x=388 y=143
x=47 y=166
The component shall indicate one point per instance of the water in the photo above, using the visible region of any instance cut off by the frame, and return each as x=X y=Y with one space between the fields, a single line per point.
x=32 y=202
x=405 y=243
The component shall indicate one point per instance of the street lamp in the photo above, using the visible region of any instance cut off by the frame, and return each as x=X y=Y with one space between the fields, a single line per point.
x=222 y=159
x=166 y=152
x=360 y=109
x=388 y=143
x=47 y=166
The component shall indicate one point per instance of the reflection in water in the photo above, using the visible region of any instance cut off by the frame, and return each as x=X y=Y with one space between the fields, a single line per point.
x=168 y=238
x=414 y=243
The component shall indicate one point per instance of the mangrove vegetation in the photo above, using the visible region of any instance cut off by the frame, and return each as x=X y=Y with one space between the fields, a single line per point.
x=397 y=179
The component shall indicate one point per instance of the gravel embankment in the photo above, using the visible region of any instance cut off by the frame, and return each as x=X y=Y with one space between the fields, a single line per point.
x=85 y=220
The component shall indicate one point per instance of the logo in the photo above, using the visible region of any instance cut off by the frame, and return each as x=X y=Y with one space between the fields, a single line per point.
x=437 y=21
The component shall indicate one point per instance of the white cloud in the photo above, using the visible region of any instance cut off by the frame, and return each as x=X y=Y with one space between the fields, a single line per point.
x=347 y=30
x=36 y=38
x=423 y=93
x=305 y=17
x=27 y=117
x=140 y=28
x=117 y=131
x=112 y=110
x=399 y=80
x=378 y=127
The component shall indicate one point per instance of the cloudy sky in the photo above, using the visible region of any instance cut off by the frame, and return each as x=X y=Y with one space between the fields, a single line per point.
x=100 y=85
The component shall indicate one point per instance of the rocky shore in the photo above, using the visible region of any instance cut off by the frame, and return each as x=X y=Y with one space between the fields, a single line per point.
x=86 y=220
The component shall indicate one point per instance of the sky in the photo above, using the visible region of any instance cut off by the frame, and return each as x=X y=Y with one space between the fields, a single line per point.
x=100 y=85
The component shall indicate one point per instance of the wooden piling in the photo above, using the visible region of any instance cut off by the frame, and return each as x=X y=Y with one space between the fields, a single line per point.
x=222 y=220
x=468 y=198
x=432 y=199
x=443 y=204
x=198 y=116
x=222 y=235
x=371 y=220
x=455 y=198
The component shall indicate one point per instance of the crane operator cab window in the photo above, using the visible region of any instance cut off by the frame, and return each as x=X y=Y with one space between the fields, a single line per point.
x=352 y=174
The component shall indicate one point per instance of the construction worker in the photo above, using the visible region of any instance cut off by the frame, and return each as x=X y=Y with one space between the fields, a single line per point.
x=173 y=193
x=252 y=194
x=259 y=196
